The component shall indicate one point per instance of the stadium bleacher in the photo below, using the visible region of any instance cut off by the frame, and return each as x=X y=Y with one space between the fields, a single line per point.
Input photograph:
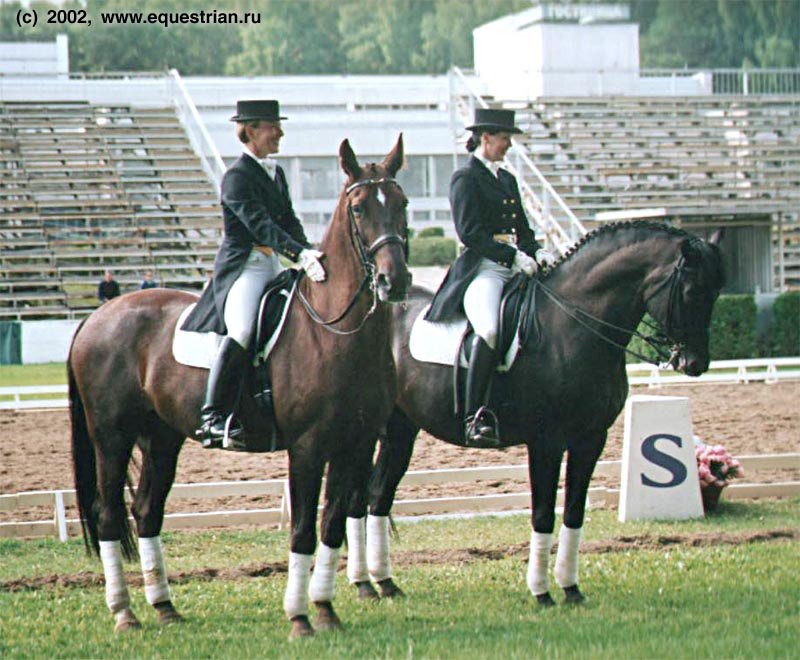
x=85 y=188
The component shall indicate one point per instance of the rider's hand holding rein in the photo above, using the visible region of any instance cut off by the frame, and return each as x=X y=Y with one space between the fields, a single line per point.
x=544 y=258
x=310 y=261
x=524 y=263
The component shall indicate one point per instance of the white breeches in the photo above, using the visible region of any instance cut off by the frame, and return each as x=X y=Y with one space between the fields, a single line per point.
x=241 y=305
x=482 y=299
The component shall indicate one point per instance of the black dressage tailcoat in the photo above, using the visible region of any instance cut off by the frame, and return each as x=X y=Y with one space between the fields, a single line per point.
x=482 y=205
x=255 y=211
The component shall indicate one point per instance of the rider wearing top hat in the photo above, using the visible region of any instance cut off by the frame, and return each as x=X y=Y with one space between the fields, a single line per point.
x=491 y=223
x=259 y=224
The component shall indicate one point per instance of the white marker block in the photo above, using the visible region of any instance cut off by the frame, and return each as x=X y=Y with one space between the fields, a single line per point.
x=659 y=469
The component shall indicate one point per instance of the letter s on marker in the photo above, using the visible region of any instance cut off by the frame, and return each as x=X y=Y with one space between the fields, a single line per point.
x=669 y=463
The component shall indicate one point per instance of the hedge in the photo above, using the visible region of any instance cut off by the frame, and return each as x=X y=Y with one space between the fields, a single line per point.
x=432 y=251
x=783 y=339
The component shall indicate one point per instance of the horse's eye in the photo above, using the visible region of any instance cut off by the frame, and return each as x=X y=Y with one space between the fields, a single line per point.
x=357 y=209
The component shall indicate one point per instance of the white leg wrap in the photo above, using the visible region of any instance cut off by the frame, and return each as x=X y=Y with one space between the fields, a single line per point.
x=295 y=600
x=156 y=587
x=117 y=597
x=566 y=572
x=357 y=550
x=323 y=579
x=538 y=579
x=378 y=564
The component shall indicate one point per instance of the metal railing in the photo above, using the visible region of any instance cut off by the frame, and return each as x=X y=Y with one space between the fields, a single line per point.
x=543 y=204
x=196 y=130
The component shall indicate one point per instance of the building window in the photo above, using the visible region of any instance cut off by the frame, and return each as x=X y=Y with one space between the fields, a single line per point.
x=320 y=178
x=414 y=177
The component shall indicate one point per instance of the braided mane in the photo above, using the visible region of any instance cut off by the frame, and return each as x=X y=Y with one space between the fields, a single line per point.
x=613 y=228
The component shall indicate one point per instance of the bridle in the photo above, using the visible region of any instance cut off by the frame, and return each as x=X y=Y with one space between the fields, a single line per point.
x=366 y=254
x=663 y=340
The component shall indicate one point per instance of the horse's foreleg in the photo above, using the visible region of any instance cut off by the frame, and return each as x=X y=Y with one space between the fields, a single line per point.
x=394 y=457
x=159 y=461
x=305 y=480
x=580 y=465
x=544 y=465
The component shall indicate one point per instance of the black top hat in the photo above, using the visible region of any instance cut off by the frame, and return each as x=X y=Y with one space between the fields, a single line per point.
x=265 y=110
x=498 y=120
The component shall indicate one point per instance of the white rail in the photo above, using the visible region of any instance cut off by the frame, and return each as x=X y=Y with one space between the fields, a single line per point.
x=767 y=370
x=196 y=130
x=63 y=528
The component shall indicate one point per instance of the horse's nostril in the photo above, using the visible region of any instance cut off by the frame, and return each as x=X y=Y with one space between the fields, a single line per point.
x=384 y=282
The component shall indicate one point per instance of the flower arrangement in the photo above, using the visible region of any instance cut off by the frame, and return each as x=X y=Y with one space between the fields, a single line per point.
x=715 y=466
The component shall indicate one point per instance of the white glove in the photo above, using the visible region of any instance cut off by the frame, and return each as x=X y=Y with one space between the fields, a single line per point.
x=544 y=258
x=524 y=263
x=309 y=261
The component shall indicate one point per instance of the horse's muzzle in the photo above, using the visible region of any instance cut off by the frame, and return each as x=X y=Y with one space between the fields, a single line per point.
x=392 y=289
x=692 y=365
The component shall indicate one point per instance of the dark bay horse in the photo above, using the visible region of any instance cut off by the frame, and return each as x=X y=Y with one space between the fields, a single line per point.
x=334 y=386
x=564 y=391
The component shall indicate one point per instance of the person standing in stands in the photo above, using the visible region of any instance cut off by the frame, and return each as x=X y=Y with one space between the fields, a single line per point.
x=108 y=288
x=491 y=223
x=148 y=282
x=259 y=224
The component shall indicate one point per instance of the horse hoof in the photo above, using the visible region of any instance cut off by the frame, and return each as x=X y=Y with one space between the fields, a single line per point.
x=167 y=614
x=390 y=590
x=573 y=595
x=126 y=621
x=327 y=619
x=545 y=600
x=301 y=627
x=366 y=591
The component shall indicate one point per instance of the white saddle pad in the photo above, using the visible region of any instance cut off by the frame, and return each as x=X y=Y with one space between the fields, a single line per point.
x=438 y=343
x=199 y=349
x=194 y=349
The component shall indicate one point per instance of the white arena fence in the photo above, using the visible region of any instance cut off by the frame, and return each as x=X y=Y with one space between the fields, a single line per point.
x=767 y=370
x=599 y=497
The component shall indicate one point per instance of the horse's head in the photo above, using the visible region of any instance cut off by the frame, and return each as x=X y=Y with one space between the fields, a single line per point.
x=683 y=302
x=376 y=208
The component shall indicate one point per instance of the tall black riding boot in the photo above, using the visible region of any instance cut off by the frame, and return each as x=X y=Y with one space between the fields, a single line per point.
x=480 y=425
x=221 y=392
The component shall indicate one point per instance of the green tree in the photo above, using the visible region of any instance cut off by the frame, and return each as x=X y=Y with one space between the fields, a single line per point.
x=293 y=37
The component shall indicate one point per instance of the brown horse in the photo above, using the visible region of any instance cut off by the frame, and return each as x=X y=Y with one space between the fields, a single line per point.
x=565 y=389
x=334 y=386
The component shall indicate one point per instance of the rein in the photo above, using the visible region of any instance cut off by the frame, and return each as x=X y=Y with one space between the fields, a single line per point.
x=366 y=255
x=667 y=350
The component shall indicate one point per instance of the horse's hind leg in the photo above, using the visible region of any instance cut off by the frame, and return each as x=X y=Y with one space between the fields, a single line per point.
x=113 y=530
x=160 y=448
x=580 y=465
x=368 y=536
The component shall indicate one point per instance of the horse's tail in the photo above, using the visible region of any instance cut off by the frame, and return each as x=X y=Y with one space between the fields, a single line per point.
x=84 y=466
x=83 y=461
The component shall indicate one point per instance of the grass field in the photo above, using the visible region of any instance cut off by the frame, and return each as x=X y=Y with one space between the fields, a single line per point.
x=732 y=599
x=18 y=375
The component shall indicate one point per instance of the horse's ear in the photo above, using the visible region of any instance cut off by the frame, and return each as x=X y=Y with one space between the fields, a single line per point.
x=394 y=159
x=348 y=161
x=717 y=236
x=691 y=254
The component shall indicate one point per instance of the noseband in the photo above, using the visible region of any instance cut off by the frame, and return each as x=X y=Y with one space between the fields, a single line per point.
x=366 y=255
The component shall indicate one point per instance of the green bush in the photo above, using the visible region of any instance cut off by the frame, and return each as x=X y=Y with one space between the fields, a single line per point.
x=432 y=251
x=431 y=232
x=783 y=339
x=732 y=332
x=733 y=328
